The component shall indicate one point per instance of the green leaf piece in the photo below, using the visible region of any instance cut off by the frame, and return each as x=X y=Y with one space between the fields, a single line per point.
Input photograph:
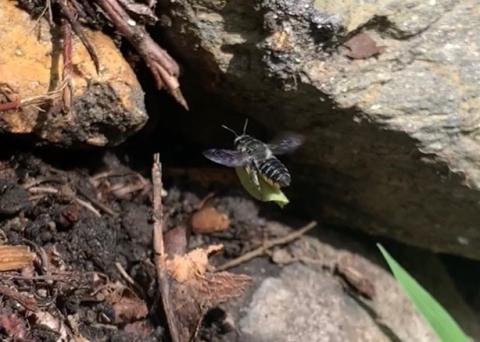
x=438 y=318
x=266 y=193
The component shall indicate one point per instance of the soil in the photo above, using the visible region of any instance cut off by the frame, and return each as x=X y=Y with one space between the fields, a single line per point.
x=87 y=217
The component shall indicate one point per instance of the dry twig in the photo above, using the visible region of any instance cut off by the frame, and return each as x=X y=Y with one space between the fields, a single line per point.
x=159 y=248
x=28 y=303
x=67 y=66
x=163 y=67
x=70 y=14
x=266 y=246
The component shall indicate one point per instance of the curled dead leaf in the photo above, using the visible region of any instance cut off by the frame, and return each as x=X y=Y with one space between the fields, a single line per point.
x=194 y=290
x=129 y=309
x=189 y=266
x=355 y=275
x=127 y=306
x=208 y=220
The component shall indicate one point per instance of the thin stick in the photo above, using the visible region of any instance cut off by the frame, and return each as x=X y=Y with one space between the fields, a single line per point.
x=159 y=248
x=267 y=245
x=9 y=105
x=88 y=206
x=97 y=203
x=124 y=273
x=28 y=303
x=162 y=66
x=69 y=13
x=67 y=65
x=50 y=190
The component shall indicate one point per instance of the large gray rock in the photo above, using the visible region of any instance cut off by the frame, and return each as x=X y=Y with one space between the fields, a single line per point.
x=393 y=143
x=307 y=305
x=308 y=298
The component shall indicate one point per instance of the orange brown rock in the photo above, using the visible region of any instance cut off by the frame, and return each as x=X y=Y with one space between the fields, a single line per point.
x=31 y=68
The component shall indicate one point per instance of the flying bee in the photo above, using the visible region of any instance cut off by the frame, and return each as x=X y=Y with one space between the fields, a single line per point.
x=257 y=157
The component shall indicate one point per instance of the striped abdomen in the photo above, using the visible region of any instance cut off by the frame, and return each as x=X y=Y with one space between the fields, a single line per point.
x=274 y=172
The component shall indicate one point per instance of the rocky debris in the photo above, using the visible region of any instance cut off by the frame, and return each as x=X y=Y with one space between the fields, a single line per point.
x=392 y=145
x=304 y=305
x=91 y=243
x=309 y=300
x=107 y=106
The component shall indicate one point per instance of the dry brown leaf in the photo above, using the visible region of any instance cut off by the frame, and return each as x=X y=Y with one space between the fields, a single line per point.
x=209 y=220
x=192 y=265
x=129 y=309
x=15 y=257
x=354 y=273
x=194 y=290
x=127 y=306
x=13 y=326
x=192 y=299
x=362 y=46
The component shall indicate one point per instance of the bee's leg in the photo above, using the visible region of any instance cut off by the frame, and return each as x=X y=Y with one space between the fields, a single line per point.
x=252 y=171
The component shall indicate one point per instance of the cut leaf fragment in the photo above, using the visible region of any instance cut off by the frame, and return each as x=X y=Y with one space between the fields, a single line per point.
x=194 y=289
x=266 y=193
x=438 y=318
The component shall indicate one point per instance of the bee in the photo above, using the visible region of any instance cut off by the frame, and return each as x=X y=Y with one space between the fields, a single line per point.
x=258 y=158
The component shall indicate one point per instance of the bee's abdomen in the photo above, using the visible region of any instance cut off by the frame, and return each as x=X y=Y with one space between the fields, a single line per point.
x=275 y=172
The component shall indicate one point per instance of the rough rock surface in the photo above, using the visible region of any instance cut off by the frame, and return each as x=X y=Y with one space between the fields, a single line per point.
x=392 y=133
x=307 y=305
x=309 y=300
x=107 y=107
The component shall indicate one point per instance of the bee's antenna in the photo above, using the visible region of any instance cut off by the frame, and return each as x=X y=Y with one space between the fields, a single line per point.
x=230 y=130
x=245 y=126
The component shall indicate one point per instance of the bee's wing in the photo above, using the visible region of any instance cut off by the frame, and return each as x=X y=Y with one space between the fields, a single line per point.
x=285 y=143
x=230 y=158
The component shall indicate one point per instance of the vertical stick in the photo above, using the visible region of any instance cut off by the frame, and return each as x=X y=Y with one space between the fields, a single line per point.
x=159 y=248
x=67 y=66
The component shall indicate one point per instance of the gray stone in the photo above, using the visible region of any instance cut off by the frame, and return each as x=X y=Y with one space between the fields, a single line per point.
x=305 y=296
x=392 y=140
x=307 y=305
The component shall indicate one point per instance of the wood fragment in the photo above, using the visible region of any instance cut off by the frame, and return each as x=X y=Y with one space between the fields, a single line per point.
x=162 y=66
x=70 y=15
x=28 y=303
x=15 y=257
x=159 y=248
x=351 y=271
x=9 y=105
x=97 y=203
x=266 y=246
x=67 y=66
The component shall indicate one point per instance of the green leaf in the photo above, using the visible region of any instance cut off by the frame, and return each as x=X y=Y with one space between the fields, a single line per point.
x=439 y=319
x=266 y=193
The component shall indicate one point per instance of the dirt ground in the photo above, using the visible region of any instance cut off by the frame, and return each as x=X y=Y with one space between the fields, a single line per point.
x=87 y=220
x=90 y=230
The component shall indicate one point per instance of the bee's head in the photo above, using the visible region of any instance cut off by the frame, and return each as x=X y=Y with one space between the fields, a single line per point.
x=237 y=136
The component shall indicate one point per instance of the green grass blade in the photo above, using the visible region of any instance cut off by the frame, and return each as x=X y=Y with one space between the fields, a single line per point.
x=266 y=193
x=439 y=319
